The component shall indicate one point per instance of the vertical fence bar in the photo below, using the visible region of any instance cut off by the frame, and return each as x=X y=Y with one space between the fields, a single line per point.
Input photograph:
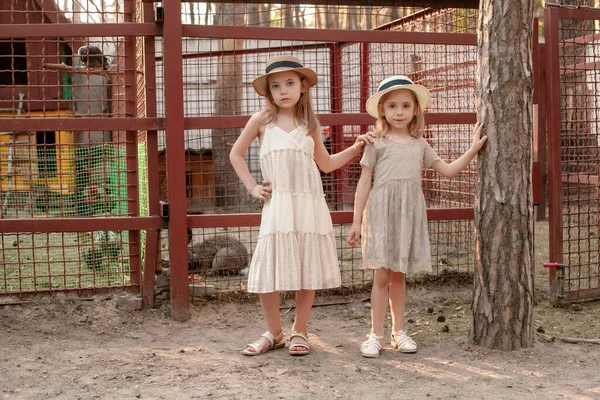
x=536 y=176
x=131 y=151
x=554 y=148
x=541 y=137
x=365 y=78
x=173 y=84
x=152 y=236
x=336 y=107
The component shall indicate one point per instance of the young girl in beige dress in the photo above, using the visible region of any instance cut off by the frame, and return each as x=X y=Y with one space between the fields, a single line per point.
x=296 y=249
x=395 y=240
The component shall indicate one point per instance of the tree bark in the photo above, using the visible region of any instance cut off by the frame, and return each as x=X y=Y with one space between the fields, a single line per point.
x=265 y=14
x=287 y=14
x=299 y=21
x=207 y=14
x=228 y=101
x=77 y=12
x=503 y=296
x=368 y=19
x=192 y=13
x=252 y=15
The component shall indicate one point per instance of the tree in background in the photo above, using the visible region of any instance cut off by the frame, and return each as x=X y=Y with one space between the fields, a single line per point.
x=228 y=101
x=503 y=295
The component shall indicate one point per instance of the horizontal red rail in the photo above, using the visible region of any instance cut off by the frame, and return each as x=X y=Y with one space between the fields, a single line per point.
x=328 y=35
x=394 y=3
x=9 y=31
x=578 y=13
x=240 y=52
x=81 y=124
x=581 y=294
x=130 y=287
x=125 y=124
x=338 y=217
x=48 y=225
x=327 y=120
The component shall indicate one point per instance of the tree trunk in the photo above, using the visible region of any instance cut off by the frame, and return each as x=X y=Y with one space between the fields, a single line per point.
x=503 y=295
x=77 y=12
x=353 y=15
x=331 y=23
x=298 y=17
x=252 y=15
x=320 y=17
x=265 y=14
x=228 y=101
x=368 y=19
x=207 y=14
x=287 y=14
x=192 y=14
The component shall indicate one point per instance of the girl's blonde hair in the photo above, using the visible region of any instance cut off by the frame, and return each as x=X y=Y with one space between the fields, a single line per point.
x=304 y=112
x=416 y=126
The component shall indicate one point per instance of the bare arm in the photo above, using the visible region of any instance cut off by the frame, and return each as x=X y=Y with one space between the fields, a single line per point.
x=455 y=167
x=363 y=189
x=236 y=156
x=328 y=162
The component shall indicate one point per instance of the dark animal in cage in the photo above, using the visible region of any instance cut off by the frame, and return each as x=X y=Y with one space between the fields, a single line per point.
x=106 y=246
x=218 y=255
x=93 y=58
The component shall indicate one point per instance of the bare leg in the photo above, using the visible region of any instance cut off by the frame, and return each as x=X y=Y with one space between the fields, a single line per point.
x=379 y=299
x=270 y=306
x=304 y=302
x=398 y=300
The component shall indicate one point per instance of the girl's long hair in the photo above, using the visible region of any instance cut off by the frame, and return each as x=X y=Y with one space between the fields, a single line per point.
x=416 y=126
x=304 y=112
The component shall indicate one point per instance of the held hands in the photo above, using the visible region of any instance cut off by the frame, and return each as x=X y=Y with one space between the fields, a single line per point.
x=353 y=235
x=478 y=141
x=362 y=140
x=262 y=191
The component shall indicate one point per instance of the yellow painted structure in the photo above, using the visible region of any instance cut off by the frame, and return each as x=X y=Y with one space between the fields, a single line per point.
x=26 y=174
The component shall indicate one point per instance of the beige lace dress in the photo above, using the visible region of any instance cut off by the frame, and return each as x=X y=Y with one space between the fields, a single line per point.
x=394 y=230
x=296 y=246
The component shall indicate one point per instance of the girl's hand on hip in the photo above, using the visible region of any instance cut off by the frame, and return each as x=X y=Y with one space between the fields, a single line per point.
x=262 y=191
x=353 y=235
x=478 y=140
x=367 y=138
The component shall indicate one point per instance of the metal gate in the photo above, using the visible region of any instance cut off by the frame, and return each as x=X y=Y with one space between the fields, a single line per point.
x=573 y=89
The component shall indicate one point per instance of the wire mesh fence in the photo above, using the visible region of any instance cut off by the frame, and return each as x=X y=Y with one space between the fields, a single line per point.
x=57 y=172
x=88 y=173
x=218 y=75
x=579 y=53
x=42 y=262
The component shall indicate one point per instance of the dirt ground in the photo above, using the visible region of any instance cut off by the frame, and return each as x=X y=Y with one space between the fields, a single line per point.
x=66 y=347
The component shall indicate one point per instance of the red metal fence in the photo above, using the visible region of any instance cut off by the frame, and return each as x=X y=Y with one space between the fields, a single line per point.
x=350 y=65
x=572 y=50
x=69 y=148
x=78 y=220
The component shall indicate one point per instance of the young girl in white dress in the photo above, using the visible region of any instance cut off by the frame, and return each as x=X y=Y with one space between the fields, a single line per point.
x=296 y=249
x=395 y=239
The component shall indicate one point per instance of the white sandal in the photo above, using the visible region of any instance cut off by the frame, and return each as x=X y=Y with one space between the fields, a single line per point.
x=305 y=348
x=372 y=346
x=274 y=343
x=404 y=343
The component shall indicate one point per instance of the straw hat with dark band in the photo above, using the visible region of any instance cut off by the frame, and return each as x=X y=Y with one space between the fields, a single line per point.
x=394 y=83
x=283 y=64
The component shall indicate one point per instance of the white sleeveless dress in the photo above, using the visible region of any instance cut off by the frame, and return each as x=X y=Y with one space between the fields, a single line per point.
x=296 y=246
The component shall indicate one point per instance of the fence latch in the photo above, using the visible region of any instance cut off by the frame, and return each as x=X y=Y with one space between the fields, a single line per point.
x=552 y=265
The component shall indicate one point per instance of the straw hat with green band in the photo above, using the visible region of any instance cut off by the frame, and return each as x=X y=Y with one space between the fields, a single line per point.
x=283 y=64
x=394 y=83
